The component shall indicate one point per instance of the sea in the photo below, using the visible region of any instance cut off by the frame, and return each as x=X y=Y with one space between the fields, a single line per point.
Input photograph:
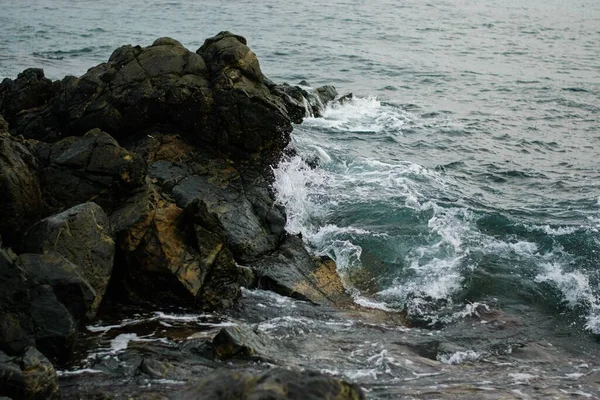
x=464 y=172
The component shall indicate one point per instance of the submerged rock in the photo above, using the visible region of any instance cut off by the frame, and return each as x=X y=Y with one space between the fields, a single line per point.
x=292 y=271
x=241 y=342
x=272 y=384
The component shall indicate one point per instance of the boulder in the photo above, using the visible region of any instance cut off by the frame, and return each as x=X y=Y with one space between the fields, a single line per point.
x=21 y=201
x=275 y=384
x=68 y=285
x=241 y=342
x=292 y=271
x=83 y=235
x=29 y=376
x=30 y=311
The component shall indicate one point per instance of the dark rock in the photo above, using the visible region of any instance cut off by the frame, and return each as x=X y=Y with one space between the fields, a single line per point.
x=292 y=271
x=54 y=327
x=275 y=384
x=40 y=298
x=83 y=235
x=216 y=97
x=154 y=368
x=345 y=98
x=326 y=94
x=30 y=90
x=91 y=168
x=221 y=207
x=21 y=201
x=16 y=327
x=241 y=342
x=301 y=103
x=253 y=122
x=167 y=258
x=29 y=376
x=70 y=288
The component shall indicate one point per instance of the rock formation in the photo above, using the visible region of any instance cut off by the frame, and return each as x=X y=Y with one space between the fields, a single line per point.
x=147 y=181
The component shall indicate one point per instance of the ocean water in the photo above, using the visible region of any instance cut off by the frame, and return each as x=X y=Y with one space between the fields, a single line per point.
x=465 y=170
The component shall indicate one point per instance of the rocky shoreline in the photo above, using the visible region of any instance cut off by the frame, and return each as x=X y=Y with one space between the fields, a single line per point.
x=146 y=183
x=143 y=254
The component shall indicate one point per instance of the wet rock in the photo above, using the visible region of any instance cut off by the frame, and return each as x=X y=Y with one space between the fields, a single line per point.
x=302 y=103
x=30 y=312
x=241 y=342
x=16 y=327
x=169 y=258
x=54 y=327
x=29 y=376
x=91 y=168
x=21 y=201
x=30 y=90
x=83 y=235
x=215 y=97
x=292 y=271
x=345 y=99
x=253 y=122
x=154 y=368
x=69 y=286
x=221 y=207
x=272 y=384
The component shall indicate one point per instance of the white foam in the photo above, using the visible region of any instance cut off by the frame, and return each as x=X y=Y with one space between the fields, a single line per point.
x=576 y=291
x=121 y=342
x=459 y=357
x=361 y=115
x=79 y=372
x=181 y=317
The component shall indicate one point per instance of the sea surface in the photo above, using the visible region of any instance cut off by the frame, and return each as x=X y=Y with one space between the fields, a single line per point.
x=463 y=175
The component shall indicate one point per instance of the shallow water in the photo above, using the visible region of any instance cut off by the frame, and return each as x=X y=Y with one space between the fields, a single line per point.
x=463 y=172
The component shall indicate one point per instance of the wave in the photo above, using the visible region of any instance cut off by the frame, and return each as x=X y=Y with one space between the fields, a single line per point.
x=407 y=237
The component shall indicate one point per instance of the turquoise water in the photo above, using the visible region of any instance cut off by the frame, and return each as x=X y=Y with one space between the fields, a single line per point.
x=464 y=171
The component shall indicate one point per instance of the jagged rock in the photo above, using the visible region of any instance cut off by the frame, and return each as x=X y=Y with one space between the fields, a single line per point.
x=29 y=376
x=70 y=288
x=253 y=122
x=30 y=90
x=167 y=258
x=83 y=235
x=241 y=342
x=275 y=384
x=215 y=97
x=292 y=271
x=302 y=103
x=90 y=168
x=224 y=209
x=21 y=201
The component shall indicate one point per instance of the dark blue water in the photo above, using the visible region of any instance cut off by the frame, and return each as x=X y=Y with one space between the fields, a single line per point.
x=466 y=168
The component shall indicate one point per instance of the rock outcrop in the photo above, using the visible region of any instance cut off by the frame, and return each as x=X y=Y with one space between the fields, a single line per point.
x=147 y=181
